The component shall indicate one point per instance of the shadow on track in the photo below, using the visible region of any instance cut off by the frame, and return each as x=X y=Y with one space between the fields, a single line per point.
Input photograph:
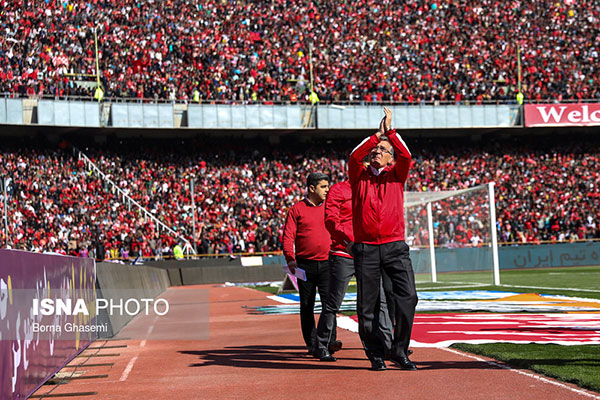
x=274 y=357
x=295 y=357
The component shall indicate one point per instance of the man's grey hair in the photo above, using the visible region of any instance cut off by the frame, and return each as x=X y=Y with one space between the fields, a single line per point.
x=386 y=139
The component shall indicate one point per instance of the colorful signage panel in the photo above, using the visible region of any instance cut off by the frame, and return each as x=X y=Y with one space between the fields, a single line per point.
x=579 y=114
x=28 y=358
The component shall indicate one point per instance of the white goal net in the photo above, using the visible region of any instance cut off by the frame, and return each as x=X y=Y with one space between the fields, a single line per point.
x=452 y=236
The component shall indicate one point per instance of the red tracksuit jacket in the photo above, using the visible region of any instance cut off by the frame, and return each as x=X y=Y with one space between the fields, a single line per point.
x=378 y=196
x=338 y=218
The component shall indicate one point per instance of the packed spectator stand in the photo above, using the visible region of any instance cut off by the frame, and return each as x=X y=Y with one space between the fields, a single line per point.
x=546 y=190
x=244 y=51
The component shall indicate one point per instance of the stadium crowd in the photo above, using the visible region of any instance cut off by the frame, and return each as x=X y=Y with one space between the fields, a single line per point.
x=243 y=51
x=242 y=195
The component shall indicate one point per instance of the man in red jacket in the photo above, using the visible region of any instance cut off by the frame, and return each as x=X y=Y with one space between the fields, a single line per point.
x=378 y=221
x=338 y=221
x=306 y=245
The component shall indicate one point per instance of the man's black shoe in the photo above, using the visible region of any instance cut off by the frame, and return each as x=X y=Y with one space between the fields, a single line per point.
x=377 y=364
x=404 y=363
x=323 y=355
x=335 y=346
x=388 y=354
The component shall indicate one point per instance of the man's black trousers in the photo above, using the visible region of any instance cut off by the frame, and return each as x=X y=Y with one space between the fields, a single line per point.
x=370 y=261
x=341 y=270
x=317 y=277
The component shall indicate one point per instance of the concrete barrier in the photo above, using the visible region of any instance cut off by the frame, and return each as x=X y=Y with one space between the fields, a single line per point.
x=218 y=270
x=122 y=281
x=510 y=257
x=252 y=269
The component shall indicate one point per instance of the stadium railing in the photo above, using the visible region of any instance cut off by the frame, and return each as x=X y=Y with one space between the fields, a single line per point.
x=257 y=116
x=112 y=99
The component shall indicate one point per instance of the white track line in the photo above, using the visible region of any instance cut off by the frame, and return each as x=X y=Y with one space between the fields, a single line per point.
x=552 y=288
x=528 y=374
x=129 y=366
x=128 y=369
x=150 y=329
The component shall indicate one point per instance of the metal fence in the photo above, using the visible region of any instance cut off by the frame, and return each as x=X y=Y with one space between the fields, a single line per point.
x=420 y=117
x=142 y=115
x=68 y=113
x=170 y=115
x=11 y=111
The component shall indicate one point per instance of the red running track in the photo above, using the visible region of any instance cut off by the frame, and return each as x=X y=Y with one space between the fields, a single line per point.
x=262 y=356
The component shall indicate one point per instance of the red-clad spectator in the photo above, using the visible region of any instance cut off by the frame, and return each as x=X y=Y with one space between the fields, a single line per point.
x=546 y=190
x=244 y=52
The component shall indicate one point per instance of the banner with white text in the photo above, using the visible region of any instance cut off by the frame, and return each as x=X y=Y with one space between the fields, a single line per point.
x=578 y=114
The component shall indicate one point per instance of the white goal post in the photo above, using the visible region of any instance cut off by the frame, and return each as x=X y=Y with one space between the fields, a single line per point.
x=455 y=219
